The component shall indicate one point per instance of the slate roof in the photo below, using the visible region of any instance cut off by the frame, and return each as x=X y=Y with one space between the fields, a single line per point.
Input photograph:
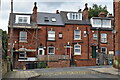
x=79 y=22
x=41 y=19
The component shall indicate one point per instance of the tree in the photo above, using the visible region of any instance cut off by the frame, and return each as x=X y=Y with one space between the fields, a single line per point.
x=4 y=43
x=96 y=9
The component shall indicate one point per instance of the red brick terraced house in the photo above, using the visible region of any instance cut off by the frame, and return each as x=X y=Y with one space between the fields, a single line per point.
x=103 y=38
x=60 y=39
x=117 y=33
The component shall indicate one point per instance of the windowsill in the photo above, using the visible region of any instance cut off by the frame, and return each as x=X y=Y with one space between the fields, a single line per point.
x=77 y=54
x=60 y=38
x=77 y=39
x=50 y=53
x=52 y=40
x=104 y=42
x=23 y=41
x=95 y=39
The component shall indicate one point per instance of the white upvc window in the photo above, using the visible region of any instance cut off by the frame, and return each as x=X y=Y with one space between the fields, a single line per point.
x=85 y=34
x=95 y=36
x=23 y=36
x=22 y=19
x=74 y=16
x=97 y=23
x=104 y=50
x=106 y=23
x=40 y=51
x=104 y=38
x=77 y=49
x=51 y=50
x=60 y=35
x=77 y=34
x=22 y=54
x=51 y=35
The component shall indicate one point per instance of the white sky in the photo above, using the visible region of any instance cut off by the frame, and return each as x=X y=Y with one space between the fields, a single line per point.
x=26 y=6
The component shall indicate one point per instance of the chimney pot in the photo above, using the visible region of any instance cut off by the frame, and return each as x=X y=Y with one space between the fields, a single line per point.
x=109 y=15
x=57 y=11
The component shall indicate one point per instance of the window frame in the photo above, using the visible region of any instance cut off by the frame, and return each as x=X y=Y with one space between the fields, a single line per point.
x=25 y=19
x=77 y=48
x=51 y=33
x=23 y=53
x=21 y=38
x=77 y=34
x=103 y=39
x=96 y=36
x=74 y=16
x=105 y=49
x=53 y=50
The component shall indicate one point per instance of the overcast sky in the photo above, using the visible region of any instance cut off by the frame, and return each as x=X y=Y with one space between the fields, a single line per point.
x=26 y=6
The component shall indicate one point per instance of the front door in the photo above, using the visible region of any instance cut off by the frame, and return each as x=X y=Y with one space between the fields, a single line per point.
x=68 y=52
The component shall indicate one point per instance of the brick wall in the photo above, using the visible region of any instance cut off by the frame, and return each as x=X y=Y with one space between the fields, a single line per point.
x=59 y=64
x=117 y=35
x=91 y=62
x=5 y=67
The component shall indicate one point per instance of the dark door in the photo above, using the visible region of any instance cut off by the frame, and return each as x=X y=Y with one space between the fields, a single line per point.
x=93 y=51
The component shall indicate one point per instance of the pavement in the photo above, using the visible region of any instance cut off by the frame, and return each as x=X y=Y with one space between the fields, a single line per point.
x=107 y=70
x=21 y=74
x=37 y=72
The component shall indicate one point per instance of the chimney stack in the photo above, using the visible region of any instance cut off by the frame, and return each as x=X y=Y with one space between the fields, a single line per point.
x=102 y=14
x=85 y=12
x=35 y=13
x=57 y=11
x=109 y=15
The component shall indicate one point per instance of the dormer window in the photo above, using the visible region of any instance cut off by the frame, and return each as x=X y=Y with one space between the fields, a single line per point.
x=102 y=23
x=74 y=16
x=22 y=19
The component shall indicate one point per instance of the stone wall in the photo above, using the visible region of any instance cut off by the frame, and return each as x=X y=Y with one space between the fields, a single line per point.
x=5 y=67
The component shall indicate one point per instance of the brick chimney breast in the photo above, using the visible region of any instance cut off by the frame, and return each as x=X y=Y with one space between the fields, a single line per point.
x=35 y=13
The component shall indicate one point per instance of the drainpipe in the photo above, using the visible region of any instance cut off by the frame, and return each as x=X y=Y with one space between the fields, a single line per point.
x=88 y=40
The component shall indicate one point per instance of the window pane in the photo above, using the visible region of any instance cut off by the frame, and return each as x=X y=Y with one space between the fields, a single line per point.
x=77 y=32
x=77 y=36
x=50 y=50
x=20 y=19
x=77 y=46
x=22 y=54
x=77 y=50
x=25 y=20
